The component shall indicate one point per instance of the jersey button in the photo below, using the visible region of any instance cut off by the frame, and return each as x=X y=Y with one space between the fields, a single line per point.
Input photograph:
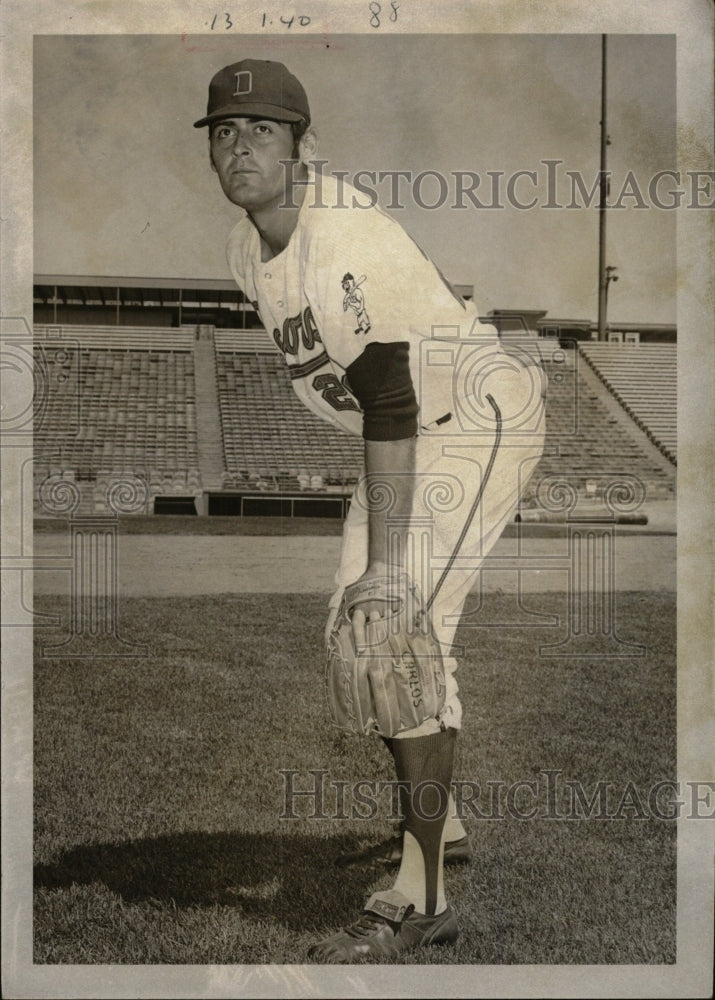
x=280 y=302
x=268 y=274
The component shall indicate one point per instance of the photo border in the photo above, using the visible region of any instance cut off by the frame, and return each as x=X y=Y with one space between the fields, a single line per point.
x=692 y=23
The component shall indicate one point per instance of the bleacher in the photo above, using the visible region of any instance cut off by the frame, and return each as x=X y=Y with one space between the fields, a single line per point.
x=585 y=440
x=120 y=338
x=117 y=402
x=120 y=402
x=269 y=435
x=271 y=441
x=643 y=377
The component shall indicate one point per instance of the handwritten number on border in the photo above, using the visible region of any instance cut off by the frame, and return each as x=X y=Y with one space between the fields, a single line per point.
x=375 y=9
x=227 y=25
x=301 y=20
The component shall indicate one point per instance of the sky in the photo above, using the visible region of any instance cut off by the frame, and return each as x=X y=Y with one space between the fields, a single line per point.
x=123 y=186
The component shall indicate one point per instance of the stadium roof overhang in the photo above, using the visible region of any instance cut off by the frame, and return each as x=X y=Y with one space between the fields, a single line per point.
x=89 y=290
x=164 y=292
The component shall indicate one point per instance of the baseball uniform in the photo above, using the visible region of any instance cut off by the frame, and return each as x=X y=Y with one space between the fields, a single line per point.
x=454 y=362
x=378 y=344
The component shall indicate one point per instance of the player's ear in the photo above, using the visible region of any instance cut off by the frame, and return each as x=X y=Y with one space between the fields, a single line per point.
x=308 y=145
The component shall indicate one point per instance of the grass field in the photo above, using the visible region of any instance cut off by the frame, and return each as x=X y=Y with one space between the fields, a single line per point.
x=158 y=797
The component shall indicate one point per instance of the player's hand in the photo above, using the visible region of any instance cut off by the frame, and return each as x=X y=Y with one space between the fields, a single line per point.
x=369 y=689
x=371 y=611
x=360 y=618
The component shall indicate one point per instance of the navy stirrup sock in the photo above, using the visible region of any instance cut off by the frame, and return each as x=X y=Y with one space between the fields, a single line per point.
x=424 y=766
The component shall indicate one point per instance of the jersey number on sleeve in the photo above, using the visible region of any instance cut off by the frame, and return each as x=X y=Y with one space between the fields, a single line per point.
x=334 y=392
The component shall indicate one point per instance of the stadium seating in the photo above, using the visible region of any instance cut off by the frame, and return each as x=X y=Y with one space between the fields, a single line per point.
x=264 y=422
x=266 y=427
x=121 y=402
x=643 y=377
x=118 y=400
x=584 y=440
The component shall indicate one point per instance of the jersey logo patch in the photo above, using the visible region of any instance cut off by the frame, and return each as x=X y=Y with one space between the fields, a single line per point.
x=297 y=330
x=355 y=299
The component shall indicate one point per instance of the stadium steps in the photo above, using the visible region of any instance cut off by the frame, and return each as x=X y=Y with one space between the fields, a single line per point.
x=209 y=436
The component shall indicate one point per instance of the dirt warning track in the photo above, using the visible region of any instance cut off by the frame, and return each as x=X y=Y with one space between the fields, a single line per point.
x=179 y=566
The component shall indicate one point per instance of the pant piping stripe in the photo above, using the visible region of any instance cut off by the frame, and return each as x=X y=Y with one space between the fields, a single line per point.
x=475 y=505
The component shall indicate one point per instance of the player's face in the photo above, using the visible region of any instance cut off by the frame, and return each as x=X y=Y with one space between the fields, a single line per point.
x=246 y=154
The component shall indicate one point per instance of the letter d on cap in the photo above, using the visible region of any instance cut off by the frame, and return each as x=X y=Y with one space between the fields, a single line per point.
x=244 y=82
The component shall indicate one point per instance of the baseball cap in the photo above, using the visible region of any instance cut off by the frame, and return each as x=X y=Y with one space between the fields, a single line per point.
x=256 y=87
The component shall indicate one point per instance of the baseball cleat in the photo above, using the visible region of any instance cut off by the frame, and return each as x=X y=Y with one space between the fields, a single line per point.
x=389 y=853
x=389 y=926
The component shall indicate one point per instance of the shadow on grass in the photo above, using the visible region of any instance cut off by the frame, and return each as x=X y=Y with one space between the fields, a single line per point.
x=266 y=876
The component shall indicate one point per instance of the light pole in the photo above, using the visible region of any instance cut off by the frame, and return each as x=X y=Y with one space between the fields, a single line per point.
x=603 y=185
x=609 y=277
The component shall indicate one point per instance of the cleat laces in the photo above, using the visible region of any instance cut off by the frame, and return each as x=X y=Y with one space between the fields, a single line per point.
x=366 y=925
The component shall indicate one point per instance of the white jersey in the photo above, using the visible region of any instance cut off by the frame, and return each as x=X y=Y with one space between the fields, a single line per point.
x=349 y=277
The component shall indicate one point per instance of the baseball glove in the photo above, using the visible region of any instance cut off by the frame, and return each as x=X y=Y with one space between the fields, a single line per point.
x=396 y=680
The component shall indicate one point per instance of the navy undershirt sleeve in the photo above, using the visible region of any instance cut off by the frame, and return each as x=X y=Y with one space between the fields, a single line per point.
x=381 y=380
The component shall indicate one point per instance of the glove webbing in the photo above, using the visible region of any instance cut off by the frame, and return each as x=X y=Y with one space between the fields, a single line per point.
x=475 y=505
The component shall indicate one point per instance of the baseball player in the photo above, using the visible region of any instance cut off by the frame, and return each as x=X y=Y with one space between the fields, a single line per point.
x=355 y=300
x=452 y=427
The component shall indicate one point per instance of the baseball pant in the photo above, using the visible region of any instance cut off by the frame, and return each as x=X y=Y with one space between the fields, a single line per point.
x=448 y=537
